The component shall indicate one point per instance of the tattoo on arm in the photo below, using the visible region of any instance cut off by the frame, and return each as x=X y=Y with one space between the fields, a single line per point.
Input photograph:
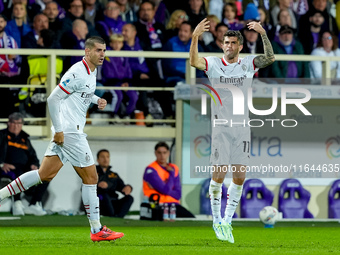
x=268 y=57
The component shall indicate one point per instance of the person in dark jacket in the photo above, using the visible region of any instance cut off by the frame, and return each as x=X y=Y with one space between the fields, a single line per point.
x=287 y=44
x=18 y=156
x=109 y=183
x=151 y=35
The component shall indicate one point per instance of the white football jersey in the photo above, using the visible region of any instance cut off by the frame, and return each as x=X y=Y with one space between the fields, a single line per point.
x=239 y=74
x=79 y=83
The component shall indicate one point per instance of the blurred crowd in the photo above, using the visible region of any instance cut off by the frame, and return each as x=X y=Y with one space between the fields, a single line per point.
x=294 y=27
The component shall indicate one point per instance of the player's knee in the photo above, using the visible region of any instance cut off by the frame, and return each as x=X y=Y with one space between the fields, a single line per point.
x=239 y=180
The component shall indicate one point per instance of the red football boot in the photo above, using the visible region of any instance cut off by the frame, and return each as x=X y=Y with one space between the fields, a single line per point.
x=106 y=234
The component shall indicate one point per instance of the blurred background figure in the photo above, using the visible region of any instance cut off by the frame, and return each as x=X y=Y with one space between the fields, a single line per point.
x=18 y=156
x=327 y=46
x=109 y=183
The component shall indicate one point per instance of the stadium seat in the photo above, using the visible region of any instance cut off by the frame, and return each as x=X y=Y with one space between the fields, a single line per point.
x=205 y=200
x=334 y=201
x=293 y=200
x=254 y=197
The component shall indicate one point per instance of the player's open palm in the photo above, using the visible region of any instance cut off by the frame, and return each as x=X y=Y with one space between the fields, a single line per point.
x=256 y=26
x=201 y=27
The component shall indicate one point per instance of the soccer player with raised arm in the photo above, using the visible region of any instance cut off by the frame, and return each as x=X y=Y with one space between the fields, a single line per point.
x=68 y=104
x=229 y=143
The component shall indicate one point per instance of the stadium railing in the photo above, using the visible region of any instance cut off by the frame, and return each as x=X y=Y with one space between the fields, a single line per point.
x=135 y=131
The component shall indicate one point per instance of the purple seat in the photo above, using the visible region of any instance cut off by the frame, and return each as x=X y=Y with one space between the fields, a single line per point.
x=205 y=200
x=293 y=200
x=334 y=201
x=254 y=197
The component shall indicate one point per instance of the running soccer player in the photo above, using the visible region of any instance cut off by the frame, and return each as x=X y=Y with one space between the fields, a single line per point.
x=68 y=104
x=229 y=143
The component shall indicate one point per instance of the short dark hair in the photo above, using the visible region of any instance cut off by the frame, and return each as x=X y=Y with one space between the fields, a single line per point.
x=89 y=43
x=16 y=116
x=334 y=38
x=147 y=1
x=221 y=24
x=234 y=33
x=162 y=144
x=188 y=23
x=100 y=151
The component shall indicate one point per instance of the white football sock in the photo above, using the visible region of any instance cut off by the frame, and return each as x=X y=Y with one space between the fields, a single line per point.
x=91 y=204
x=20 y=184
x=215 y=190
x=233 y=198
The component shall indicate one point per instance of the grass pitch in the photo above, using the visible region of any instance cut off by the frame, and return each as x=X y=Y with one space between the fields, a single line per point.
x=70 y=235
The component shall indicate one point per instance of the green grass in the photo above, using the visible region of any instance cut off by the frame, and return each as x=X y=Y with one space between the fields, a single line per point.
x=70 y=235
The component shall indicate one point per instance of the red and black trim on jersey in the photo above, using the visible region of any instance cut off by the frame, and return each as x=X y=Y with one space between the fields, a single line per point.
x=254 y=64
x=64 y=89
x=86 y=66
x=225 y=63
x=206 y=65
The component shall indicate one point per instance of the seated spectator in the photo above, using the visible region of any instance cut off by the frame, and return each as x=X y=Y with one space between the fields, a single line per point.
x=327 y=46
x=264 y=19
x=116 y=71
x=252 y=43
x=151 y=36
x=9 y=71
x=76 y=11
x=283 y=18
x=229 y=17
x=162 y=15
x=40 y=22
x=18 y=156
x=309 y=36
x=93 y=11
x=283 y=5
x=54 y=23
x=112 y=23
x=32 y=9
x=210 y=35
x=216 y=45
x=109 y=183
x=320 y=5
x=287 y=44
x=175 y=21
x=162 y=178
x=174 y=69
x=74 y=39
x=140 y=71
x=18 y=27
x=196 y=11
x=127 y=14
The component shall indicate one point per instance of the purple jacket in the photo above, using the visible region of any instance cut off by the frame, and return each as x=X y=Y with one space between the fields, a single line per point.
x=117 y=70
x=172 y=187
x=137 y=65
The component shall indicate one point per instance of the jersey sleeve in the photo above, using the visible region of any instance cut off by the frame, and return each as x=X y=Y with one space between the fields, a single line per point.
x=209 y=64
x=250 y=63
x=70 y=82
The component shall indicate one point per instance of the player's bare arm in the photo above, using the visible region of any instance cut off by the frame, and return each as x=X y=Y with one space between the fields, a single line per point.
x=268 y=57
x=195 y=61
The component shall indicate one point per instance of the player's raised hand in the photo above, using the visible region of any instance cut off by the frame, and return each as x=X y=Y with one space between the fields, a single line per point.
x=256 y=26
x=59 y=138
x=201 y=27
x=101 y=103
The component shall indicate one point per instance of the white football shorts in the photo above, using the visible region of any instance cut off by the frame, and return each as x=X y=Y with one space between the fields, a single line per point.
x=230 y=146
x=75 y=149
